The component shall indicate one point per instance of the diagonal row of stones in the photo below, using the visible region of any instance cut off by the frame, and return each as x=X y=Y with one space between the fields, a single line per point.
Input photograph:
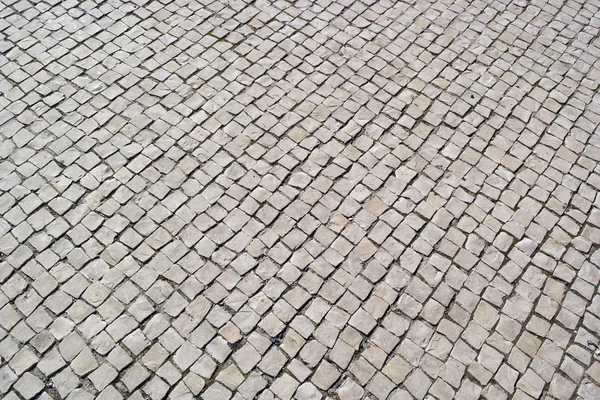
x=309 y=200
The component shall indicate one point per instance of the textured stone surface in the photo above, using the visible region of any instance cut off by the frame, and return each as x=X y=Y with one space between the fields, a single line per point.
x=299 y=200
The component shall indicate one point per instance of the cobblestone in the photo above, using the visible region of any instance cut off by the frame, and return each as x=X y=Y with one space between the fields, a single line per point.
x=299 y=200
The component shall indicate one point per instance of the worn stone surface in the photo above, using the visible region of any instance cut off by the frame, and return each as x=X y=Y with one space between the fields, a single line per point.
x=299 y=200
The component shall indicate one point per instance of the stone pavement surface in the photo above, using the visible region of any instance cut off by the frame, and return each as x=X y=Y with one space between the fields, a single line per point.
x=310 y=200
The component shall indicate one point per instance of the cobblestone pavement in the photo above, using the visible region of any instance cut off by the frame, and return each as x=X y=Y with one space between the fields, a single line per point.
x=310 y=200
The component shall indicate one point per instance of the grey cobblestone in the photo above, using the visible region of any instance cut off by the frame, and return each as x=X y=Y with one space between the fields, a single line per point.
x=299 y=200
